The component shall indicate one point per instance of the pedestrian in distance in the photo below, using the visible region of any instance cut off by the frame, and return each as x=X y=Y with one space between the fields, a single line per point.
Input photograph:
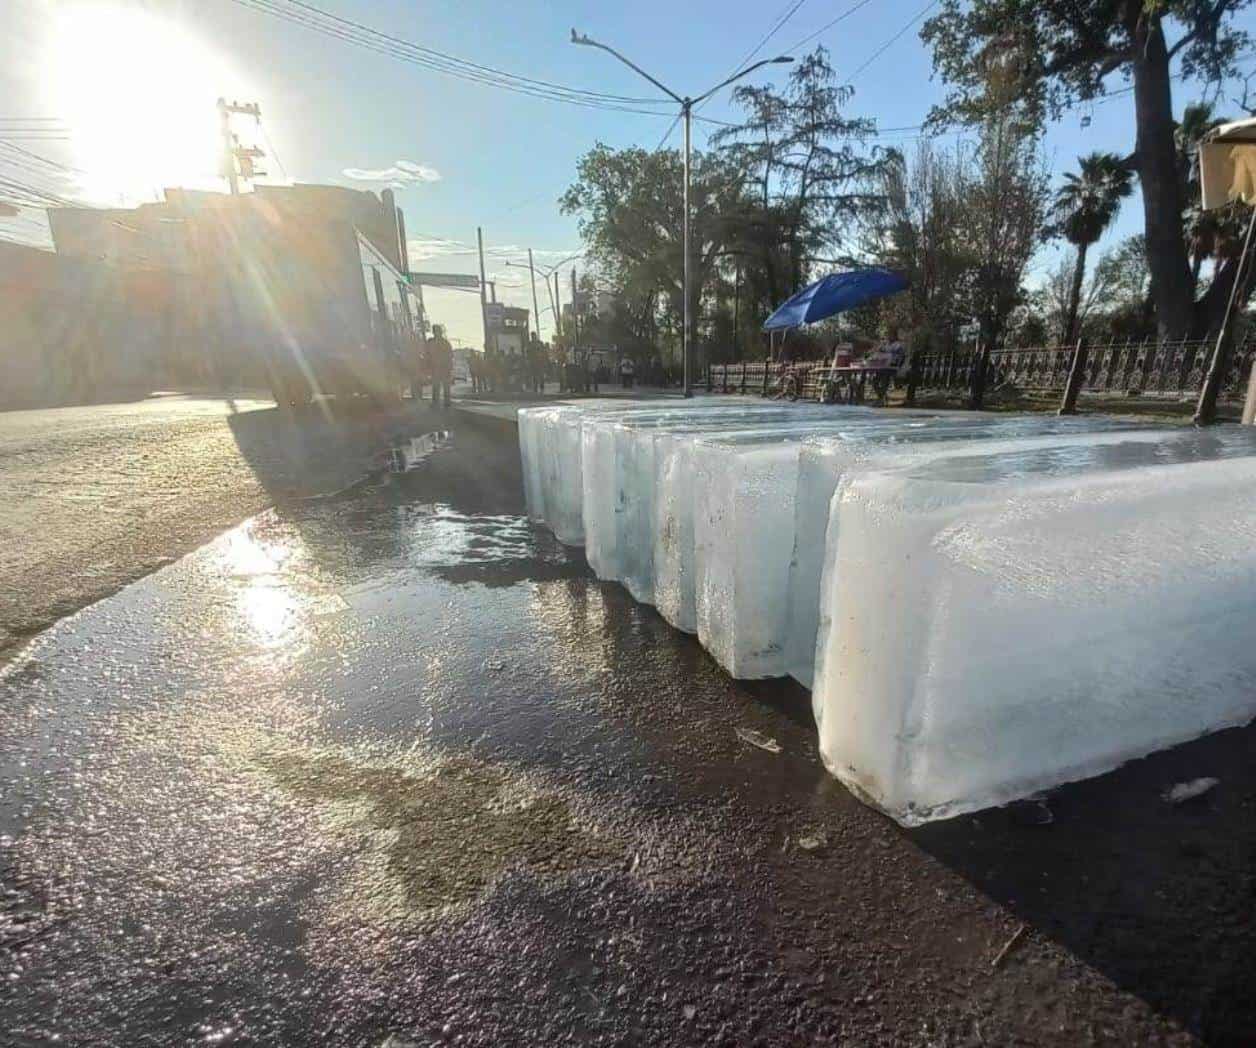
x=419 y=368
x=627 y=372
x=441 y=362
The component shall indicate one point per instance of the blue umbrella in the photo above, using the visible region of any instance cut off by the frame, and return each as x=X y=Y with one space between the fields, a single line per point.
x=835 y=294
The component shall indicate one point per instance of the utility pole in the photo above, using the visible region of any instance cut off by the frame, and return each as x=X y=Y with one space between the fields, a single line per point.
x=549 y=290
x=479 y=236
x=686 y=340
x=575 y=308
x=686 y=111
x=232 y=151
x=422 y=315
x=558 y=303
x=536 y=310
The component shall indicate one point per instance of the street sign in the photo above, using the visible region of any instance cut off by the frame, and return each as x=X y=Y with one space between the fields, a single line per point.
x=463 y=280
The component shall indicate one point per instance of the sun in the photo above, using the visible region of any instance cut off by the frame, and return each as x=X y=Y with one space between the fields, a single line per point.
x=139 y=94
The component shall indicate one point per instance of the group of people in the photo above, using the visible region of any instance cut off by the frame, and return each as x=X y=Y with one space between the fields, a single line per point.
x=495 y=372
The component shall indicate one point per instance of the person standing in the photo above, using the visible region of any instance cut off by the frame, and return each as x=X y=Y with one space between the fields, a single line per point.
x=441 y=363
x=418 y=368
x=627 y=372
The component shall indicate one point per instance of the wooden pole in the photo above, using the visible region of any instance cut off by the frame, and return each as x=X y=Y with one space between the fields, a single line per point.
x=1076 y=375
x=977 y=380
x=1206 y=411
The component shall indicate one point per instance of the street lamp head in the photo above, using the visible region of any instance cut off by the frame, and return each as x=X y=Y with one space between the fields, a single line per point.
x=782 y=59
x=580 y=38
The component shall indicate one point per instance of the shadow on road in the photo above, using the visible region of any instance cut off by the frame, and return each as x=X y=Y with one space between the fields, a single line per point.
x=325 y=446
x=1160 y=898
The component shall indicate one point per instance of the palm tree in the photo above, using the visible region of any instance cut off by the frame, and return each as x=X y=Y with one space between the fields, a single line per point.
x=1206 y=233
x=1085 y=206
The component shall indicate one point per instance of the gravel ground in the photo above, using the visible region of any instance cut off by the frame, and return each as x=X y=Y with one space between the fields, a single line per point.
x=94 y=497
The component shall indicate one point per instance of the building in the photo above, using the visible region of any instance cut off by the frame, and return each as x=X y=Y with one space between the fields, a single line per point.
x=506 y=328
x=75 y=330
x=303 y=288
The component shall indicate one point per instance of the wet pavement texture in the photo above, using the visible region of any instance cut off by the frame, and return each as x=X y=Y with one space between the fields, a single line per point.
x=393 y=768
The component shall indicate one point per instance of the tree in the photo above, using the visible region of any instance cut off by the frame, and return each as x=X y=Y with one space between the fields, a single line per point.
x=1005 y=204
x=1059 y=296
x=1063 y=52
x=630 y=208
x=962 y=226
x=918 y=231
x=1086 y=205
x=804 y=168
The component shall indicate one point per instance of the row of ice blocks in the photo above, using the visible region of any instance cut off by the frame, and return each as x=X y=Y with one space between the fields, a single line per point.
x=726 y=518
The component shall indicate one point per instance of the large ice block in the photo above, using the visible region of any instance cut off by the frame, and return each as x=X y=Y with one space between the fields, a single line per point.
x=675 y=484
x=743 y=487
x=822 y=461
x=531 y=422
x=605 y=496
x=621 y=480
x=993 y=625
x=555 y=454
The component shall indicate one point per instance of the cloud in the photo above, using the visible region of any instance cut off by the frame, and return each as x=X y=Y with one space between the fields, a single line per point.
x=401 y=174
x=515 y=251
x=436 y=247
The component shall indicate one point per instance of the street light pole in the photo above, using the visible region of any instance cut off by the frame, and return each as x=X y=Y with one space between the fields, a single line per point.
x=536 y=310
x=686 y=112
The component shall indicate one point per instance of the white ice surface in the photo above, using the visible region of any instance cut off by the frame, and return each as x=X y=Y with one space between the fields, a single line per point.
x=993 y=625
x=676 y=482
x=550 y=450
x=620 y=480
x=742 y=491
x=822 y=461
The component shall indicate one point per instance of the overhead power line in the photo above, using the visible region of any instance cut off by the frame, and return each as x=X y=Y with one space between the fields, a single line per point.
x=776 y=27
x=668 y=133
x=349 y=31
x=892 y=40
x=829 y=25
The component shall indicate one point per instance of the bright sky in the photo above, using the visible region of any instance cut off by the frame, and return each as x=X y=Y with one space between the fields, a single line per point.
x=123 y=92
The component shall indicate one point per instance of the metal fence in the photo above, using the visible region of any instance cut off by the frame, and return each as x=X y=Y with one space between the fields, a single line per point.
x=1119 y=368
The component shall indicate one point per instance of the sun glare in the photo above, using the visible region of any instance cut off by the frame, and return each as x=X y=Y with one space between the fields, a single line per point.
x=139 y=94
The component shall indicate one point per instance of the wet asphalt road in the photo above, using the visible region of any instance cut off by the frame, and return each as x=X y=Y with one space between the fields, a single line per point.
x=95 y=496
x=395 y=766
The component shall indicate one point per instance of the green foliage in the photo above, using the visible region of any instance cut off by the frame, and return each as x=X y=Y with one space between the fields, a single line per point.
x=1036 y=58
x=1088 y=201
x=770 y=202
x=963 y=225
x=1061 y=52
x=806 y=169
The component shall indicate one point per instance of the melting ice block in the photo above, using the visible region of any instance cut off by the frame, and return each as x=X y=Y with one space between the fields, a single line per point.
x=550 y=451
x=676 y=481
x=620 y=480
x=993 y=625
x=531 y=425
x=609 y=493
x=742 y=489
x=823 y=461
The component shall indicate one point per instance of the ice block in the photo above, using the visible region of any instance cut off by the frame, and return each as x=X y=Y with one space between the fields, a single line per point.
x=743 y=487
x=992 y=625
x=822 y=461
